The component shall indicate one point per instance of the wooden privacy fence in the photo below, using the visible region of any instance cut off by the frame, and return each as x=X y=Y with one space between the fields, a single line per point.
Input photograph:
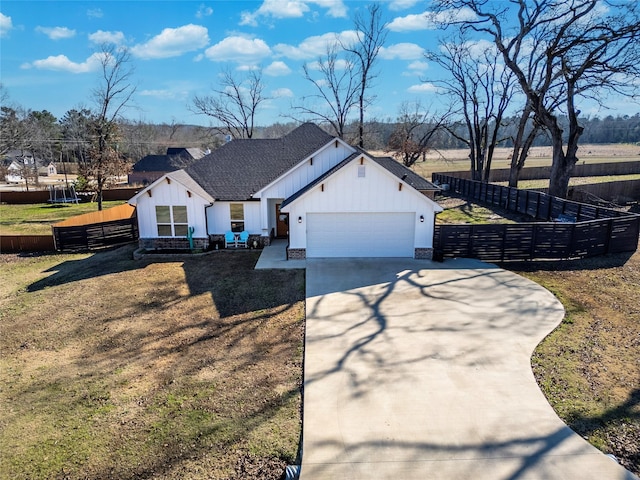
x=26 y=243
x=113 y=226
x=582 y=230
x=579 y=170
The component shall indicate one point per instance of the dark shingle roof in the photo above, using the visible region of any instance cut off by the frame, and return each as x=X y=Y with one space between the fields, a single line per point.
x=399 y=170
x=187 y=153
x=175 y=159
x=240 y=168
x=154 y=163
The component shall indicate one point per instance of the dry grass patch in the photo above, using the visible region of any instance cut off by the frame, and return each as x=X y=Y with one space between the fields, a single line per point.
x=589 y=367
x=113 y=368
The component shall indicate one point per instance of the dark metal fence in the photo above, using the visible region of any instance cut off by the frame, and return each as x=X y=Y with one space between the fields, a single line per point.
x=95 y=236
x=567 y=229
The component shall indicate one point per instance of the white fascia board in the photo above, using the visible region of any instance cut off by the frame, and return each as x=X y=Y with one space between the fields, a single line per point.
x=258 y=194
x=178 y=176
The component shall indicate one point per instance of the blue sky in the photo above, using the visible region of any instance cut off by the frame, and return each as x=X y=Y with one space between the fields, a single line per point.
x=179 y=49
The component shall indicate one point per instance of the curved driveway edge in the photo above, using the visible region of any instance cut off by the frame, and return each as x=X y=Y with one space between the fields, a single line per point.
x=420 y=370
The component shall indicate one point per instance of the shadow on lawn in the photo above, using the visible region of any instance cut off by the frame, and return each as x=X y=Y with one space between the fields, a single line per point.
x=246 y=345
x=98 y=264
x=229 y=277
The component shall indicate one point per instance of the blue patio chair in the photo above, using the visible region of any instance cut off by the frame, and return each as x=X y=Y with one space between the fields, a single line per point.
x=230 y=239
x=244 y=238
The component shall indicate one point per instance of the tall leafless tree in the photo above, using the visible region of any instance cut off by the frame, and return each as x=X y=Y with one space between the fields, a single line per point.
x=562 y=52
x=371 y=34
x=415 y=130
x=336 y=89
x=234 y=104
x=111 y=96
x=482 y=90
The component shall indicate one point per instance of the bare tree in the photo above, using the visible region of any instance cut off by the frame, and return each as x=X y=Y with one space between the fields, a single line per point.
x=414 y=133
x=561 y=52
x=371 y=35
x=111 y=96
x=482 y=89
x=336 y=89
x=528 y=130
x=234 y=105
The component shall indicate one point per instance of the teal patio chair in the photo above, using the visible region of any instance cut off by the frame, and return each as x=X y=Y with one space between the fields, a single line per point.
x=230 y=239
x=243 y=240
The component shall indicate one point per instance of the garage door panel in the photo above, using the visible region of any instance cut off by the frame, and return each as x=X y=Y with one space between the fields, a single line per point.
x=360 y=234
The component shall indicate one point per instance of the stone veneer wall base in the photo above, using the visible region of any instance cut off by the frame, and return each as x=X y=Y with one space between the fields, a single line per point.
x=172 y=243
x=296 y=253
x=423 y=253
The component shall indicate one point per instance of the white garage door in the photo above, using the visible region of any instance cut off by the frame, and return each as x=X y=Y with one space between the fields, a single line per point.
x=360 y=234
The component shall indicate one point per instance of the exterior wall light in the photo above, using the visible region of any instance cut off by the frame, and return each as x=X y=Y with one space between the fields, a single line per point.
x=421 y=218
x=299 y=219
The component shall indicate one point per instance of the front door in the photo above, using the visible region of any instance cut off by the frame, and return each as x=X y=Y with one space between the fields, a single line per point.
x=282 y=223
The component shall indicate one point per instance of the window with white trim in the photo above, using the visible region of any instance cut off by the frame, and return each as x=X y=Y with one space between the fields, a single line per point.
x=236 y=211
x=172 y=220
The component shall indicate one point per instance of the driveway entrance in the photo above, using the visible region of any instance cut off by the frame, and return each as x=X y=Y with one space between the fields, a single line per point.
x=418 y=370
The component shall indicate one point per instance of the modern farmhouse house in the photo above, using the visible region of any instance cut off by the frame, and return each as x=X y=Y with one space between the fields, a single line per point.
x=327 y=198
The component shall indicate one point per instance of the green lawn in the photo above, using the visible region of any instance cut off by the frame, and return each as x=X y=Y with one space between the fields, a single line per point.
x=36 y=219
x=113 y=368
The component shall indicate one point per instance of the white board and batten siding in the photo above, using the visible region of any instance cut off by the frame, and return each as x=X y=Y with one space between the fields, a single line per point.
x=169 y=194
x=361 y=212
x=219 y=217
x=307 y=171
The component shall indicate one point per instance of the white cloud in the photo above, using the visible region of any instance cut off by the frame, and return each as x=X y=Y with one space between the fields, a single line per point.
x=173 y=42
x=396 y=5
x=56 y=33
x=429 y=20
x=416 y=68
x=164 y=94
x=291 y=9
x=419 y=21
x=277 y=69
x=313 y=47
x=249 y=67
x=204 y=11
x=239 y=49
x=95 y=13
x=101 y=37
x=63 y=64
x=282 y=93
x=6 y=25
x=403 y=51
x=423 y=88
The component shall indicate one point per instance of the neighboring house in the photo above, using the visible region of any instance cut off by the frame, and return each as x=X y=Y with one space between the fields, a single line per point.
x=150 y=168
x=21 y=163
x=48 y=170
x=326 y=197
x=14 y=172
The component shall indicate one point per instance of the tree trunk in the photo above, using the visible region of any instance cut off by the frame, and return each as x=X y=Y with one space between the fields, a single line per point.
x=561 y=168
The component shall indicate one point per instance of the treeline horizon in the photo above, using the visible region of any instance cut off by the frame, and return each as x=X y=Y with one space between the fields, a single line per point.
x=140 y=138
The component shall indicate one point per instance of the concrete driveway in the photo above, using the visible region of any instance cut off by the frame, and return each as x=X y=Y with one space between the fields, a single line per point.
x=420 y=370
